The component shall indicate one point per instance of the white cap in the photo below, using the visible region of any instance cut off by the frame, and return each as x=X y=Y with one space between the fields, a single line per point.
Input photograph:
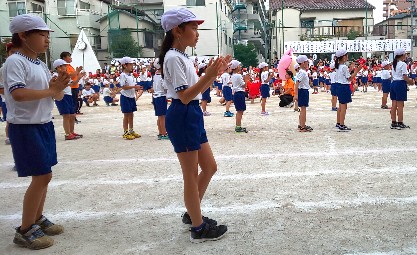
x=234 y=64
x=399 y=52
x=59 y=62
x=175 y=17
x=127 y=60
x=332 y=65
x=296 y=66
x=340 y=53
x=156 y=64
x=202 y=65
x=301 y=59
x=262 y=65
x=27 y=22
x=385 y=63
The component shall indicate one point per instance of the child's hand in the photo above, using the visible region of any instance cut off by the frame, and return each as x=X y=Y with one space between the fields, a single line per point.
x=59 y=83
x=214 y=67
x=79 y=72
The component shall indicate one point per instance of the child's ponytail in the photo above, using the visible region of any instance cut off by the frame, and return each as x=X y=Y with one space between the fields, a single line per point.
x=166 y=45
x=336 y=63
x=395 y=62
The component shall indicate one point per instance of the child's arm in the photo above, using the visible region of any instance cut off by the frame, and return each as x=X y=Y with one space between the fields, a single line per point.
x=56 y=86
x=353 y=76
x=296 y=90
x=213 y=69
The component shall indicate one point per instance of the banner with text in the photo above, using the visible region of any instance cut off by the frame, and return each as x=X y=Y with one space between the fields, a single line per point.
x=349 y=45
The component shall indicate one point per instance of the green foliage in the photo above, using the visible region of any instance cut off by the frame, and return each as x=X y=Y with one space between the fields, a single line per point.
x=122 y=44
x=352 y=34
x=246 y=54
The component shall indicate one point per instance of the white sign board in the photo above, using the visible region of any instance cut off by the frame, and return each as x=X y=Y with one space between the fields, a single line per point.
x=349 y=45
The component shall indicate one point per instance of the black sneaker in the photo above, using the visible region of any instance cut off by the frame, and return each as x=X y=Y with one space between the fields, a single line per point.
x=186 y=219
x=309 y=128
x=208 y=233
x=395 y=126
x=402 y=126
x=343 y=128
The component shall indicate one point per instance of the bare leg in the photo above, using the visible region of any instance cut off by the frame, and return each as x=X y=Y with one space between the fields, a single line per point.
x=400 y=111
x=342 y=117
x=303 y=116
x=239 y=116
x=263 y=104
x=208 y=168
x=394 y=111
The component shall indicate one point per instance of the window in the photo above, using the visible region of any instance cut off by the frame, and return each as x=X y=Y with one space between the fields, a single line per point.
x=196 y=3
x=66 y=7
x=36 y=8
x=148 y=40
x=230 y=41
x=97 y=41
x=225 y=38
x=307 y=23
x=16 y=8
x=84 y=6
x=399 y=25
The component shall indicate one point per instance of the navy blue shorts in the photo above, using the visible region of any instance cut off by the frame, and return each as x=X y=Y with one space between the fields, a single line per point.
x=219 y=85
x=398 y=91
x=96 y=88
x=303 y=97
x=239 y=101
x=146 y=85
x=227 y=93
x=333 y=89
x=185 y=126
x=328 y=82
x=364 y=80
x=413 y=76
x=160 y=106
x=4 y=110
x=128 y=104
x=344 y=94
x=386 y=86
x=66 y=105
x=265 y=91
x=321 y=79
x=33 y=147
x=108 y=99
x=316 y=82
x=206 y=95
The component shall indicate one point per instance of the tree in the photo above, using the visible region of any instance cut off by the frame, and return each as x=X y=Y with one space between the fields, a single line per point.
x=352 y=34
x=122 y=44
x=3 y=52
x=246 y=54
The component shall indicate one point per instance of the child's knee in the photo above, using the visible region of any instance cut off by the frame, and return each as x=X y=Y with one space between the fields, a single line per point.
x=42 y=180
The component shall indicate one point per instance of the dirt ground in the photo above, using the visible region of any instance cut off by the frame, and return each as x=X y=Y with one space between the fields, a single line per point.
x=278 y=190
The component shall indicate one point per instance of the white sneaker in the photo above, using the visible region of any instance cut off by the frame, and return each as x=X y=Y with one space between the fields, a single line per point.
x=264 y=113
x=206 y=113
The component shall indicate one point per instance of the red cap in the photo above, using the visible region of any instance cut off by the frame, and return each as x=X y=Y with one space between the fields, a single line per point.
x=9 y=46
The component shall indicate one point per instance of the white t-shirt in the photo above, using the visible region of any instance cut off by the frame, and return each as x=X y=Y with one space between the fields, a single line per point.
x=378 y=73
x=67 y=90
x=225 y=79
x=127 y=80
x=397 y=73
x=342 y=74
x=385 y=75
x=179 y=73
x=302 y=78
x=106 y=92
x=143 y=76
x=332 y=77
x=237 y=82
x=89 y=92
x=23 y=72
x=159 y=86
x=264 y=77
x=314 y=75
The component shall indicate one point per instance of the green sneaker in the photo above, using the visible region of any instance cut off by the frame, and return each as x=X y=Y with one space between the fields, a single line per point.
x=240 y=130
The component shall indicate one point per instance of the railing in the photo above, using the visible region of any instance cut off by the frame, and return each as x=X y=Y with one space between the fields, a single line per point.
x=323 y=32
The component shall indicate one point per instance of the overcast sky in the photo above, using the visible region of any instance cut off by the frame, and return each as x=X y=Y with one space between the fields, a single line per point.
x=378 y=11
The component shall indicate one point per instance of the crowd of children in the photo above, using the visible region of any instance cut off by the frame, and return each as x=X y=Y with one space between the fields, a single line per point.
x=30 y=93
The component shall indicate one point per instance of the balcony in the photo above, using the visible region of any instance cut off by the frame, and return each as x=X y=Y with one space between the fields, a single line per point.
x=239 y=6
x=327 y=32
x=239 y=27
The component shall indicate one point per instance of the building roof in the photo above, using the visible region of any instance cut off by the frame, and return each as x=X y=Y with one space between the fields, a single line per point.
x=305 y=5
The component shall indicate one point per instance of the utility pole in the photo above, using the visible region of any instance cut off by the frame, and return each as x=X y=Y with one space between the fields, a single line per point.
x=412 y=10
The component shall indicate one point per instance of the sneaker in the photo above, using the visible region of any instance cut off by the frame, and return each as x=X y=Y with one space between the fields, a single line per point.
x=128 y=136
x=186 y=219
x=70 y=137
x=384 y=107
x=165 y=137
x=395 y=126
x=309 y=128
x=114 y=104
x=334 y=109
x=343 y=128
x=7 y=141
x=208 y=233
x=402 y=126
x=136 y=135
x=78 y=135
x=48 y=227
x=240 y=130
x=228 y=114
x=297 y=110
x=304 y=129
x=159 y=137
x=290 y=105
x=33 y=239
x=337 y=126
x=206 y=113
x=264 y=113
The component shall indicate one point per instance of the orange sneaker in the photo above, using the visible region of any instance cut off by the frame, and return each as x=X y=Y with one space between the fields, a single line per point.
x=70 y=137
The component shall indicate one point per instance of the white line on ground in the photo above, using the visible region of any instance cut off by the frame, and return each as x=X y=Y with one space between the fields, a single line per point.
x=232 y=209
x=233 y=177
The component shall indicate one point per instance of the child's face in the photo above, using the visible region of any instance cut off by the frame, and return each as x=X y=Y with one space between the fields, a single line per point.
x=304 y=65
x=287 y=76
x=37 y=41
x=129 y=67
x=62 y=68
x=87 y=87
x=189 y=35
